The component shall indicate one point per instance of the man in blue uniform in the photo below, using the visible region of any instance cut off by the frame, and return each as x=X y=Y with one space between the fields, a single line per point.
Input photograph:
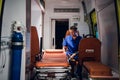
x=70 y=45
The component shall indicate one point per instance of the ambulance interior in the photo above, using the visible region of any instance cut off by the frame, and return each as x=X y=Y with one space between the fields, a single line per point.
x=44 y=25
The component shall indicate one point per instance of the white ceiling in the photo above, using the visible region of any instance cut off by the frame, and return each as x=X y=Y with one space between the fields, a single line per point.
x=56 y=3
x=63 y=3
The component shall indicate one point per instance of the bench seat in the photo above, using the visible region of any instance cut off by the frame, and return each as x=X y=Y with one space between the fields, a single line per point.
x=97 y=69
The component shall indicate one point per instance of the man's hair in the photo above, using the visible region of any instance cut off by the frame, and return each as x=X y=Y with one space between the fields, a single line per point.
x=73 y=28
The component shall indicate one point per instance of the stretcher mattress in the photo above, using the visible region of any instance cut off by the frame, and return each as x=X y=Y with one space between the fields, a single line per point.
x=53 y=58
x=54 y=64
x=97 y=69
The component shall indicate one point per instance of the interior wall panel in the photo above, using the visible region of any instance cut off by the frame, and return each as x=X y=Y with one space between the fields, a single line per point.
x=108 y=36
x=101 y=4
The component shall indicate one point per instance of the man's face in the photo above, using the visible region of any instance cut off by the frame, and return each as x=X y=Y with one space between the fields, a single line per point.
x=73 y=33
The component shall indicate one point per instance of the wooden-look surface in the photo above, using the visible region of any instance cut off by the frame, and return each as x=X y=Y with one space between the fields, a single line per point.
x=34 y=47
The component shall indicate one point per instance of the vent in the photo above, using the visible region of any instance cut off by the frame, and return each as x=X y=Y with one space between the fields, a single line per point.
x=66 y=10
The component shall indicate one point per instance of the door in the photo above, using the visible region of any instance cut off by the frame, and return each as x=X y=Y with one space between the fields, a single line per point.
x=59 y=28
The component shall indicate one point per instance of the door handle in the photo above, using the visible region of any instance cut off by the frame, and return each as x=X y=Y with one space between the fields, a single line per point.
x=53 y=42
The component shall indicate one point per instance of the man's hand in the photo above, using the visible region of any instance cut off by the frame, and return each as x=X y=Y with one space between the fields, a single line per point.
x=71 y=57
x=65 y=48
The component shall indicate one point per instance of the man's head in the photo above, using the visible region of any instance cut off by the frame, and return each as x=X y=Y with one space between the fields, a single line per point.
x=73 y=31
x=73 y=28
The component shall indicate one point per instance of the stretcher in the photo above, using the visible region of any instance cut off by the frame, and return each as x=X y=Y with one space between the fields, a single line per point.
x=90 y=58
x=53 y=65
x=49 y=64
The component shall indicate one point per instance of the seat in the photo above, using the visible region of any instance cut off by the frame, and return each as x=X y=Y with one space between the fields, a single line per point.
x=90 y=50
x=90 y=58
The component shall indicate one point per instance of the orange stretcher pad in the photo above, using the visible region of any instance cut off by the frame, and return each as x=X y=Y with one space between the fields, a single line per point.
x=53 y=64
x=53 y=58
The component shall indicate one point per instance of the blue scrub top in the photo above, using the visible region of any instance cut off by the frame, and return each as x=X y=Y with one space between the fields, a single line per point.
x=72 y=45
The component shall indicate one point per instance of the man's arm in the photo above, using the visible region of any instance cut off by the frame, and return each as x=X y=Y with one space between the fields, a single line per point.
x=65 y=48
x=73 y=55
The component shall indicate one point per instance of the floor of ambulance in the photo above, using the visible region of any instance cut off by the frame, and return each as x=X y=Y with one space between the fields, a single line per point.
x=84 y=75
